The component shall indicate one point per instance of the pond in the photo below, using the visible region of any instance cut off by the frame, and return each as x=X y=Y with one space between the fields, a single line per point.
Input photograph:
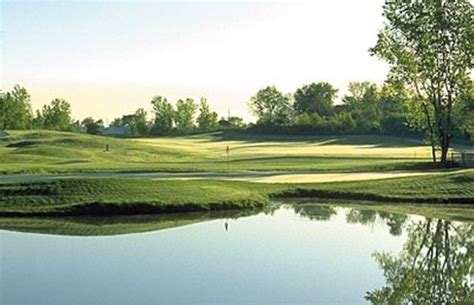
x=291 y=254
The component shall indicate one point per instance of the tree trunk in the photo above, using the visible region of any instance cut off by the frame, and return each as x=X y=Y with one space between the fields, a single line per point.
x=444 y=151
x=430 y=132
x=433 y=152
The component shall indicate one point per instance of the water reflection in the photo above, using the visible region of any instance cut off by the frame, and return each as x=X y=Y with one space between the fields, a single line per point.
x=434 y=267
x=356 y=215
x=269 y=258
x=314 y=211
x=94 y=226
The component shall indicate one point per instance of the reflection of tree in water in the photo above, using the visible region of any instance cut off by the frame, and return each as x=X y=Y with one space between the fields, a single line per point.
x=394 y=221
x=314 y=211
x=434 y=267
x=361 y=216
x=365 y=216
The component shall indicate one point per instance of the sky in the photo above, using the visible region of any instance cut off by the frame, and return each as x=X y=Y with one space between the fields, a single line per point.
x=108 y=58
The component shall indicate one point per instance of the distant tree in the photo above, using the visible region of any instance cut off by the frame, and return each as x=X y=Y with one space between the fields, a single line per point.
x=271 y=106
x=92 y=126
x=362 y=103
x=393 y=106
x=57 y=115
x=184 y=115
x=464 y=113
x=343 y=122
x=140 y=123
x=137 y=122
x=207 y=119
x=428 y=45
x=232 y=122
x=15 y=109
x=315 y=98
x=164 y=116
x=38 y=120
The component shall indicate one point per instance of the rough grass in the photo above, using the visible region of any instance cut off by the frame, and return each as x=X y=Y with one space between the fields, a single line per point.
x=49 y=151
x=129 y=196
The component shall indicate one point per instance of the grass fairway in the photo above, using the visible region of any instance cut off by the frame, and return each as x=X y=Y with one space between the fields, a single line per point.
x=131 y=196
x=134 y=177
x=61 y=152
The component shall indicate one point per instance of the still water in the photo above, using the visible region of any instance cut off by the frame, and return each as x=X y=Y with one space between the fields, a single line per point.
x=292 y=254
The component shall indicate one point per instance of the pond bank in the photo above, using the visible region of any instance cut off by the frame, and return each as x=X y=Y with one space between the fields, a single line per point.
x=131 y=196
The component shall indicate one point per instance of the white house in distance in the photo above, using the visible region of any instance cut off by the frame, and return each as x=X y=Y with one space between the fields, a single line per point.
x=121 y=131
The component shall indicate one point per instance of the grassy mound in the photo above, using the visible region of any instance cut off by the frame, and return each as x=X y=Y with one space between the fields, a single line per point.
x=129 y=196
x=125 y=196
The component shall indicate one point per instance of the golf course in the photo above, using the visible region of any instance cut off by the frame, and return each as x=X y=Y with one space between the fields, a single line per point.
x=63 y=173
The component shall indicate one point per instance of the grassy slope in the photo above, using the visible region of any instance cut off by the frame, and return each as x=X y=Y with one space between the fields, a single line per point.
x=125 y=196
x=49 y=151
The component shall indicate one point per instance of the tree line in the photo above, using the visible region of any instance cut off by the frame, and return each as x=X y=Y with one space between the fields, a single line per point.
x=184 y=117
x=310 y=110
x=366 y=108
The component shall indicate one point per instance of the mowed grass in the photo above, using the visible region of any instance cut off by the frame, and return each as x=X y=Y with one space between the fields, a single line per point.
x=126 y=196
x=129 y=196
x=59 y=152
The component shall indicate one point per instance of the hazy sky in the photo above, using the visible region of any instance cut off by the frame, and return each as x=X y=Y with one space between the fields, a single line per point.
x=107 y=58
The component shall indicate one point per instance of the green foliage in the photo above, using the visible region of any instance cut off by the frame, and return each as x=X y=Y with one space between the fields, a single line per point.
x=232 y=123
x=207 y=119
x=140 y=123
x=428 y=45
x=57 y=115
x=307 y=123
x=315 y=98
x=464 y=113
x=364 y=105
x=184 y=115
x=137 y=122
x=271 y=106
x=164 y=116
x=15 y=109
x=92 y=126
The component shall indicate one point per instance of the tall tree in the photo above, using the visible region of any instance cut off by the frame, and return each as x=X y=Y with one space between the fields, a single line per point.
x=15 y=109
x=140 y=123
x=207 y=119
x=271 y=106
x=429 y=47
x=315 y=98
x=184 y=115
x=164 y=116
x=57 y=115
